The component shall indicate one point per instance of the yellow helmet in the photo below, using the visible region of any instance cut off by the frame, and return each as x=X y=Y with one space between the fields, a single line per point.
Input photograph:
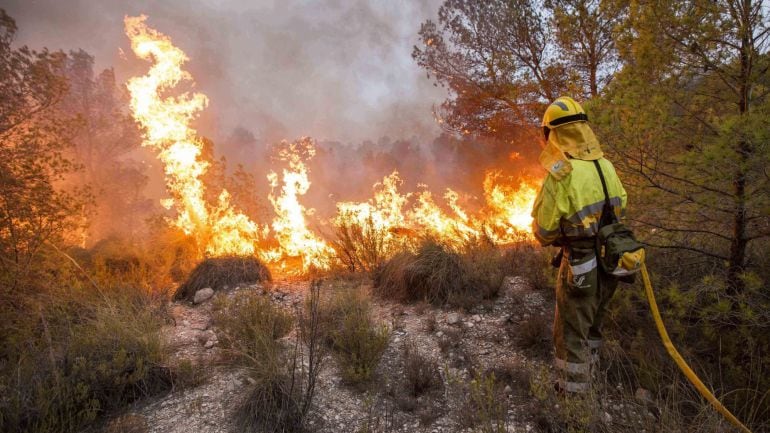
x=562 y=111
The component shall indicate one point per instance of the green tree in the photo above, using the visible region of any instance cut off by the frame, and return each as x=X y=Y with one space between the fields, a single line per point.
x=504 y=60
x=35 y=137
x=106 y=134
x=688 y=117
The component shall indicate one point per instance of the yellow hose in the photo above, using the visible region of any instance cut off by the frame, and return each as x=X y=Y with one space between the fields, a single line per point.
x=691 y=376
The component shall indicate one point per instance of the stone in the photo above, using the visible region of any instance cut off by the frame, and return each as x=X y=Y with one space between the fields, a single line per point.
x=453 y=318
x=643 y=395
x=476 y=318
x=469 y=324
x=508 y=389
x=203 y=295
x=607 y=418
x=209 y=344
x=201 y=325
x=440 y=334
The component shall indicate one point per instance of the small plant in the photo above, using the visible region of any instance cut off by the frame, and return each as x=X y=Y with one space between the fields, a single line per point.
x=249 y=325
x=284 y=383
x=421 y=374
x=485 y=405
x=218 y=272
x=534 y=333
x=349 y=329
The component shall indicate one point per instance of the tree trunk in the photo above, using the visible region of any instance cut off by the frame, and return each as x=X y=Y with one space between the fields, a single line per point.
x=745 y=151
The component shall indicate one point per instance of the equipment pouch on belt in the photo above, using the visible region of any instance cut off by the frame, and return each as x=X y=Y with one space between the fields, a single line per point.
x=582 y=272
x=619 y=252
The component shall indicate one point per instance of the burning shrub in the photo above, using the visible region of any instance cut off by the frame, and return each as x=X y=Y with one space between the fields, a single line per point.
x=218 y=272
x=360 y=247
x=438 y=274
x=347 y=326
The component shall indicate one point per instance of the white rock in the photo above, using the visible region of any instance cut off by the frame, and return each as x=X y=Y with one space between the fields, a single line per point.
x=607 y=418
x=453 y=318
x=643 y=396
x=203 y=295
x=476 y=318
x=209 y=344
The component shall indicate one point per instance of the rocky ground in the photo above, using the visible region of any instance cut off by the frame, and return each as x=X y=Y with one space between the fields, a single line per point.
x=486 y=338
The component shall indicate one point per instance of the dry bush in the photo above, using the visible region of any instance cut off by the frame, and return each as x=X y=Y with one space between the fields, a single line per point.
x=420 y=374
x=69 y=355
x=284 y=379
x=249 y=325
x=220 y=272
x=529 y=260
x=534 y=333
x=420 y=385
x=439 y=274
x=359 y=247
x=347 y=326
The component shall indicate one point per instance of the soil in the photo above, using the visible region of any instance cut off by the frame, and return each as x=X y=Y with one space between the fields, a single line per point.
x=461 y=343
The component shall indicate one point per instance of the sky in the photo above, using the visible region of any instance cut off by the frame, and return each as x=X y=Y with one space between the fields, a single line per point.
x=331 y=69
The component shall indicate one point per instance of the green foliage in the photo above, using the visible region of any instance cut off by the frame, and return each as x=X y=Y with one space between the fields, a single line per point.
x=485 y=407
x=250 y=325
x=69 y=355
x=35 y=138
x=724 y=337
x=348 y=327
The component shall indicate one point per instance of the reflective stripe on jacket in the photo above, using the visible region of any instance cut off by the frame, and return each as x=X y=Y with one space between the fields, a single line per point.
x=574 y=204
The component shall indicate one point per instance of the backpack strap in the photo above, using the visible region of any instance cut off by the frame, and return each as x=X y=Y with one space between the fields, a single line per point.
x=608 y=214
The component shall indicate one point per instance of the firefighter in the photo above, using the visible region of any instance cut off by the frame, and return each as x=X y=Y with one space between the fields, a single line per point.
x=566 y=213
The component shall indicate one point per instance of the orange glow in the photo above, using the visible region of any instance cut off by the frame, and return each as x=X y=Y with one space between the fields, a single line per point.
x=219 y=229
x=288 y=242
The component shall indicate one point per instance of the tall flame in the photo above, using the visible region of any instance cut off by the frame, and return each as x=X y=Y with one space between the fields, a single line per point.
x=289 y=225
x=218 y=228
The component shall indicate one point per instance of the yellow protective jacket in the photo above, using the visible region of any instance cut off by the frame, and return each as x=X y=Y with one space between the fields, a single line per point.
x=572 y=206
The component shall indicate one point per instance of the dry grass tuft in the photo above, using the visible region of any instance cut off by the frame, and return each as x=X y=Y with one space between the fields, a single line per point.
x=219 y=272
x=440 y=274
x=348 y=328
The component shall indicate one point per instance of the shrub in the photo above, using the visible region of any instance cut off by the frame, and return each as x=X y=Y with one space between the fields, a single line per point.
x=484 y=405
x=440 y=274
x=219 y=272
x=249 y=325
x=360 y=247
x=350 y=331
x=534 y=333
x=529 y=260
x=69 y=355
x=284 y=382
x=421 y=374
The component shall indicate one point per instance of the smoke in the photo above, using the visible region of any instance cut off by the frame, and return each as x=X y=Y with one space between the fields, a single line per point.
x=339 y=71
x=331 y=69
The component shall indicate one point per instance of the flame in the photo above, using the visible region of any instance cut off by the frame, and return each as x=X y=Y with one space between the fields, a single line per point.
x=218 y=228
x=504 y=218
x=288 y=242
x=289 y=225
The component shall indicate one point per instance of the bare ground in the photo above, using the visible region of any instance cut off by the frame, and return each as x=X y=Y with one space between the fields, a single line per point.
x=461 y=342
